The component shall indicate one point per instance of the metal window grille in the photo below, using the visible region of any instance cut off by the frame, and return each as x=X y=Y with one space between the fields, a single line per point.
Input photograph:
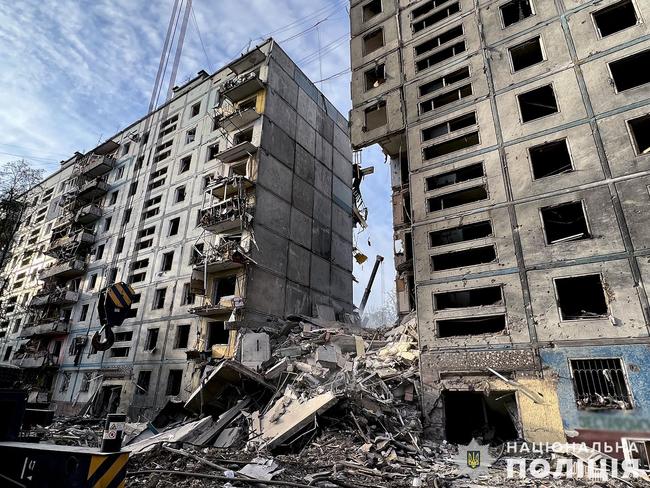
x=600 y=384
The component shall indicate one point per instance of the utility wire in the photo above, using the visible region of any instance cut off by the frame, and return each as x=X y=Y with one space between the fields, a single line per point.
x=198 y=31
x=335 y=75
x=326 y=49
x=321 y=11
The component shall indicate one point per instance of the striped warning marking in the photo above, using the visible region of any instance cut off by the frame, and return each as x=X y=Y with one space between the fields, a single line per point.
x=107 y=471
x=121 y=295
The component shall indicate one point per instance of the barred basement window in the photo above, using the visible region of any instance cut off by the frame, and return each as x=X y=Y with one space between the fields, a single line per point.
x=446 y=80
x=457 y=198
x=467 y=232
x=436 y=17
x=615 y=18
x=581 y=297
x=600 y=384
x=445 y=98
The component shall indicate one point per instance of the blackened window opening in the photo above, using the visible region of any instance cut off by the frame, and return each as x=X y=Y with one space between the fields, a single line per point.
x=466 y=257
x=537 y=103
x=526 y=54
x=457 y=198
x=550 y=159
x=515 y=11
x=476 y=297
x=471 y=326
x=615 y=18
x=565 y=222
x=466 y=173
x=468 y=232
x=640 y=129
x=632 y=71
x=581 y=297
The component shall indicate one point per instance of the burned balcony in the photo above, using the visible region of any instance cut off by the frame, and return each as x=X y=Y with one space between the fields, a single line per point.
x=232 y=117
x=47 y=327
x=37 y=359
x=65 y=269
x=92 y=190
x=70 y=241
x=224 y=216
x=95 y=165
x=241 y=87
x=225 y=188
x=56 y=296
x=227 y=256
x=223 y=307
x=88 y=214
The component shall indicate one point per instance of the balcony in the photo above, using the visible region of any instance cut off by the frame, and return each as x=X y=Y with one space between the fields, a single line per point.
x=223 y=217
x=225 y=188
x=48 y=327
x=95 y=165
x=237 y=152
x=225 y=257
x=66 y=269
x=92 y=190
x=36 y=359
x=232 y=119
x=224 y=307
x=241 y=87
x=88 y=214
x=82 y=237
x=55 y=297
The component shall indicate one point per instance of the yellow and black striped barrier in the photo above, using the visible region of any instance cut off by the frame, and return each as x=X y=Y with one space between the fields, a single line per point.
x=51 y=466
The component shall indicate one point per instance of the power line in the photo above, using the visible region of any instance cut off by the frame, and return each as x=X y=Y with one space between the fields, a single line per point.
x=326 y=49
x=335 y=75
x=27 y=156
x=321 y=11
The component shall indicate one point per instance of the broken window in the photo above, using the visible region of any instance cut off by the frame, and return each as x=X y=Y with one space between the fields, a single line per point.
x=471 y=326
x=92 y=282
x=426 y=8
x=537 y=103
x=476 y=297
x=188 y=298
x=467 y=232
x=120 y=352
x=452 y=125
x=113 y=198
x=185 y=164
x=639 y=449
x=371 y=9
x=375 y=77
x=217 y=334
x=491 y=416
x=452 y=145
x=445 y=98
x=457 y=198
x=123 y=336
x=167 y=261
x=550 y=158
x=182 y=336
x=83 y=313
x=119 y=247
x=462 y=258
x=446 y=80
x=615 y=18
x=213 y=151
x=627 y=73
x=190 y=136
x=436 y=17
x=526 y=54
x=159 y=299
x=133 y=188
x=127 y=216
x=375 y=116
x=515 y=11
x=640 y=130
x=581 y=297
x=243 y=136
x=107 y=223
x=438 y=40
x=195 y=109
x=152 y=339
x=99 y=252
x=466 y=173
x=179 y=194
x=174 y=382
x=564 y=222
x=85 y=382
x=600 y=384
x=224 y=287
x=144 y=378
x=173 y=226
x=440 y=56
x=373 y=41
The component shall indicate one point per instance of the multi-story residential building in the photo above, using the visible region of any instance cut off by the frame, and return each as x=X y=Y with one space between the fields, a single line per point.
x=230 y=204
x=518 y=134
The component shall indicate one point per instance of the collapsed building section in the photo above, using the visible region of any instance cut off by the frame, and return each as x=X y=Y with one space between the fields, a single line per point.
x=519 y=184
x=230 y=205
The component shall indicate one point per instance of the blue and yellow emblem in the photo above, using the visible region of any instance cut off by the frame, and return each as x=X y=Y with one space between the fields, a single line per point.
x=473 y=459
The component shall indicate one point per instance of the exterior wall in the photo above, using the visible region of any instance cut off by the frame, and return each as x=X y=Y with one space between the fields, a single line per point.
x=608 y=178
x=300 y=166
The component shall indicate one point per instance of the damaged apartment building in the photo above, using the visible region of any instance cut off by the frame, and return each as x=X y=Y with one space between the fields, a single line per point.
x=230 y=204
x=518 y=134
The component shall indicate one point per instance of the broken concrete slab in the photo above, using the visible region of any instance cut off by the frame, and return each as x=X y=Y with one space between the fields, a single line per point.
x=255 y=349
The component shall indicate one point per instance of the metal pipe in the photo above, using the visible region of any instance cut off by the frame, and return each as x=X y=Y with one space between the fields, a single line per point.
x=366 y=294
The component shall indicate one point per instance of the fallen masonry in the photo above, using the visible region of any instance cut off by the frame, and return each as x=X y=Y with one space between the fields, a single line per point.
x=326 y=404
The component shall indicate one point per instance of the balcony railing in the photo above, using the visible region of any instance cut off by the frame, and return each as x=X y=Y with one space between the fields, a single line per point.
x=66 y=269
x=82 y=237
x=225 y=257
x=231 y=119
x=242 y=86
x=237 y=152
x=224 y=306
x=36 y=359
x=223 y=216
x=52 y=327
x=55 y=297
x=92 y=190
x=226 y=187
x=88 y=214
x=94 y=165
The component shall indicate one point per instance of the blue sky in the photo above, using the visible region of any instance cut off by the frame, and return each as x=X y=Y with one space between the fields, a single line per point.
x=75 y=72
